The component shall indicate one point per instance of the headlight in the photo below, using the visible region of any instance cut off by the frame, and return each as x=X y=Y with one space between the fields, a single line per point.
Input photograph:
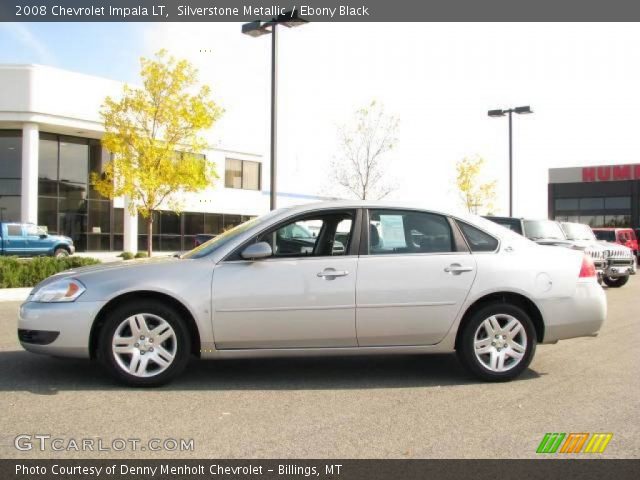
x=65 y=290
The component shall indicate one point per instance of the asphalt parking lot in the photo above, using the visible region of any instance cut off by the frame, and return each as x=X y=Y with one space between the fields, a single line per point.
x=369 y=407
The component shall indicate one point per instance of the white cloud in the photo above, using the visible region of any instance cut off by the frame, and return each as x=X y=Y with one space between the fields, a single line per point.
x=440 y=79
x=24 y=35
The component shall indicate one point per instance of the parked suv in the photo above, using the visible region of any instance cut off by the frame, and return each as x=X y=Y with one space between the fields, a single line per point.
x=620 y=261
x=614 y=263
x=28 y=240
x=623 y=236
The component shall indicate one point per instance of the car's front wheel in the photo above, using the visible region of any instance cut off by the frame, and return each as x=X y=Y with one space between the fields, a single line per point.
x=498 y=342
x=616 y=282
x=144 y=343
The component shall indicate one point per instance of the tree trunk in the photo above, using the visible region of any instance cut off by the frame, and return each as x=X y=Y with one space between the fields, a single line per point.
x=149 y=235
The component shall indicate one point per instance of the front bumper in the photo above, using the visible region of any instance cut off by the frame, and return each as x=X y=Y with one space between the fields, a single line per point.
x=72 y=321
x=620 y=268
x=580 y=315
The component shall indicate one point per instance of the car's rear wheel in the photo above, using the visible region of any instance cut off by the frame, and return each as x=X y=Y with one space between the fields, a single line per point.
x=144 y=343
x=616 y=282
x=498 y=342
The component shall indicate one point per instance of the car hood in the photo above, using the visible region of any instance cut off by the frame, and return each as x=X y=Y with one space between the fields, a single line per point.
x=121 y=267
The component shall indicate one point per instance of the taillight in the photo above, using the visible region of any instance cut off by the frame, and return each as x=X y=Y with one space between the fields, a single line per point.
x=588 y=268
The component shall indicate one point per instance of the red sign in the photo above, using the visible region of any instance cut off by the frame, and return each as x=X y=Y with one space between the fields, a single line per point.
x=611 y=173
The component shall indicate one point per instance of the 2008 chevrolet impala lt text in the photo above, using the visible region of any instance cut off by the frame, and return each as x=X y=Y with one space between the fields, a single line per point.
x=323 y=279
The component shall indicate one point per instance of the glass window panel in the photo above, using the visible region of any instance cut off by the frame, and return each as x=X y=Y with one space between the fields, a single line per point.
x=142 y=224
x=251 y=175
x=566 y=204
x=231 y=221
x=9 y=209
x=98 y=157
x=14 y=230
x=118 y=220
x=193 y=223
x=478 y=240
x=617 y=203
x=48 y=167
x=169 y=223
x=592 y=220
x=98 y=242
x=617 y=221
x=10 y=155
x=10 y=186
x=408 y=232
x=118 y=242
x=74 y=162
x=591 y=203
x=48 y=213
x=212 y=223
x=170 y=243
x=74 y=225
x=99 y=216
x=233 y=173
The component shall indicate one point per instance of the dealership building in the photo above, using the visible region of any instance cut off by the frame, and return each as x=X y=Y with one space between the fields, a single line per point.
x=600 y=196
x=50 y=133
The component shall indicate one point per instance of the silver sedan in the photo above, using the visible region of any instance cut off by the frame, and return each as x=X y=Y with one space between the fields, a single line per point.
x=334 y=278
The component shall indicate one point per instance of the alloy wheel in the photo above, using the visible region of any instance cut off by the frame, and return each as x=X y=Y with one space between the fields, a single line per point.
x=144 y=345
x=500 y=342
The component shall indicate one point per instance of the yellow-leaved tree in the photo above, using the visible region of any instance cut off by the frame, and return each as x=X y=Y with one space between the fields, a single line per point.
x=154 y=136
x=474 y=194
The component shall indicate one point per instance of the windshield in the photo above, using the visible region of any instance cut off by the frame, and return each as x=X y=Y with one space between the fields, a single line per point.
x=543 y=229
x=606 y=235
x=577 y=231
x=215 y=243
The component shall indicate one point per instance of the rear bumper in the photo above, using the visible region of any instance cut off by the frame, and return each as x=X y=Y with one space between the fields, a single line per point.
x=580 y=315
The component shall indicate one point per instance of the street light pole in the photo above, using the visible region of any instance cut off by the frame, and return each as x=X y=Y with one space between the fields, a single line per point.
x=257 y=29
x=274 y=115
x=510 y=164
x=510 y=112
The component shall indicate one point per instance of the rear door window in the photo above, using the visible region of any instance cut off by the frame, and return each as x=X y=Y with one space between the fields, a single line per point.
x=405 y=231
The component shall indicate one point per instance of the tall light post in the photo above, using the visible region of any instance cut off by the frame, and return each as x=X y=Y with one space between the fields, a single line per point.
x=501 y=113
x=257 y=29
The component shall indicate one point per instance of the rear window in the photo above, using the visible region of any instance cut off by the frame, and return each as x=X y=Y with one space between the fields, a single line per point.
x=478 y=240
x=512 y=224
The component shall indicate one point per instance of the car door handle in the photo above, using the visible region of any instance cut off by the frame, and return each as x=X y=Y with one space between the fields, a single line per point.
x=457 y=269
x=330 y=273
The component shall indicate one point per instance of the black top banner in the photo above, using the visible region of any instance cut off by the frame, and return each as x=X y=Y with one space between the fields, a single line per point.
x=317 y=10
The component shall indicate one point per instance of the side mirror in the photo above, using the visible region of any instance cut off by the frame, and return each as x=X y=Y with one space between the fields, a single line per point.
x=43 y=235
x=257 y=251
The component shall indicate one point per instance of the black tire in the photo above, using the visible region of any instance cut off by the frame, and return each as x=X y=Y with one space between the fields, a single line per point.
x=113 y=321
x=61 y=252
x=466 y=349
x=616 y=282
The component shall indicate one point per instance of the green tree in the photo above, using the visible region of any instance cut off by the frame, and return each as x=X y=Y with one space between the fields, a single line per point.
x=474 y=194
x=360 y=166
x=154 y=136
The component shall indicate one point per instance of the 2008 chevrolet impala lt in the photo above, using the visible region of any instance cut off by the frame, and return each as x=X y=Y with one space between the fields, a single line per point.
x=323 y=279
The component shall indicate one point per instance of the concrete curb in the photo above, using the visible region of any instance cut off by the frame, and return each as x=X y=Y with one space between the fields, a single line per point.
x=14 y=294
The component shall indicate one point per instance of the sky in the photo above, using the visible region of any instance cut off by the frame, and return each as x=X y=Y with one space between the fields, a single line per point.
x=581 y=80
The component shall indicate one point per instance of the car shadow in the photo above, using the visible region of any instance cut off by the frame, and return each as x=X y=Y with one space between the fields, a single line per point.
x=43 y=375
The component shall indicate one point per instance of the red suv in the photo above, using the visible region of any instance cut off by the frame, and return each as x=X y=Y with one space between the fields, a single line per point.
x=623 y=236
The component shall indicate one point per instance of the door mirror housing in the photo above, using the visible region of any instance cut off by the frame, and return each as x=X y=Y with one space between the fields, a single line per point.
x=257 y=251
x=43 y=235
